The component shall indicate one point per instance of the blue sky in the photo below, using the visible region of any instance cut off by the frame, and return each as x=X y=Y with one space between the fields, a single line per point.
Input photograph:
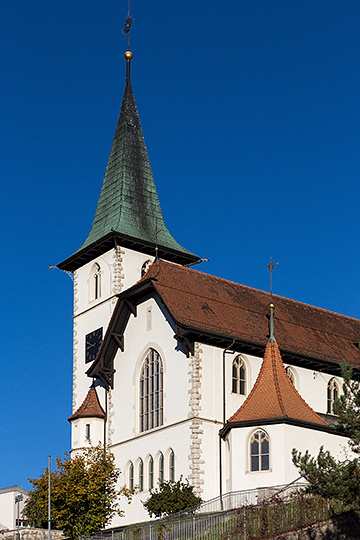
x=251 y=115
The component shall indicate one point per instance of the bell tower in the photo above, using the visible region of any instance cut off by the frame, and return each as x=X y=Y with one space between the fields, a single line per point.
x=127 y=233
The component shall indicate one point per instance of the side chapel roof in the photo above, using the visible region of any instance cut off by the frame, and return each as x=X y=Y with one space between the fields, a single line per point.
x=90 y=407
x=273 y=395
x=215 y=311
x=128 y=211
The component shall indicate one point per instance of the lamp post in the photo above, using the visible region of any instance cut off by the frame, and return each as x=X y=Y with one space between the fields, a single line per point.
x=18 y=499
x=49 y=500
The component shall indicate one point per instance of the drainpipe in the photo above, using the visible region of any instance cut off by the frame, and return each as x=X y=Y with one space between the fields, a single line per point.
x=225 y=351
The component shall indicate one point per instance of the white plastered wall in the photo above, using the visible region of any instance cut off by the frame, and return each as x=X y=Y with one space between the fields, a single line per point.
x=283 y=438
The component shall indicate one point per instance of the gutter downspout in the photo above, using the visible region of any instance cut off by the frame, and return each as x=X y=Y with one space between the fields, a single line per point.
x=225 y=351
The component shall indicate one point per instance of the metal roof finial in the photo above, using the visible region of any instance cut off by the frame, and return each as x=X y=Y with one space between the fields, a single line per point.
x=271 y=267
x=126 y=30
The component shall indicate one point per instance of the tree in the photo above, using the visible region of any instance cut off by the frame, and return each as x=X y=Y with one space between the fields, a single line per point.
x=326 y=475
x=171 y=497
x=84 y=497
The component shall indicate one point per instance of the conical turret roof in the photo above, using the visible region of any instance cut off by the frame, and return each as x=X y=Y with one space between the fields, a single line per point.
x=273 y=395
x=90 y=407
x=128 y=211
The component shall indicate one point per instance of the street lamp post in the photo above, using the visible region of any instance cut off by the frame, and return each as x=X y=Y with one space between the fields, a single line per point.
x=18 y=499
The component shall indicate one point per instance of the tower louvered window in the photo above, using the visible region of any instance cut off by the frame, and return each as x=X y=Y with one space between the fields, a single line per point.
x=151 y=391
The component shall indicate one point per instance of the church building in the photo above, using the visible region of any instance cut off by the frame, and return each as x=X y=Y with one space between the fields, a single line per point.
x=183 y=373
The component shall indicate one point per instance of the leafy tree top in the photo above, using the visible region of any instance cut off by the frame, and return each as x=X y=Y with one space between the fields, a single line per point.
x=84 y=497
x=171 y=497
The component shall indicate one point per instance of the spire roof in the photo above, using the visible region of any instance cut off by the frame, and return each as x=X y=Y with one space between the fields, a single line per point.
x=128 y=210
x=274 y=396
x=90 y=407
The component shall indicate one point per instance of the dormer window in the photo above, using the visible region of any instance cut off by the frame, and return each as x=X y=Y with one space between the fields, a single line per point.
x=95 y=282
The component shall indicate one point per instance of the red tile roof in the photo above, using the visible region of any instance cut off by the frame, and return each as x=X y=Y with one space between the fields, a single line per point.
x=210 y=304
x=90 y=407
x=273 y=394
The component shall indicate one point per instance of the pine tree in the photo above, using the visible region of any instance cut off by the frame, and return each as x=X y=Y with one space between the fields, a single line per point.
x=326 y=475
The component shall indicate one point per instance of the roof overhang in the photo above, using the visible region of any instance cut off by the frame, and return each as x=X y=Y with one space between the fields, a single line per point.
x=281 y=420
x=113 y=239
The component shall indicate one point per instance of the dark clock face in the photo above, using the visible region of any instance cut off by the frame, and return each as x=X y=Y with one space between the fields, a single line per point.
x=92 y=344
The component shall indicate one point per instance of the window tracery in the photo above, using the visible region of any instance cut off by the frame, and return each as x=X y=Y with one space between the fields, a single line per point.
x=239 y=376
x=259 y=451
x=151 y=391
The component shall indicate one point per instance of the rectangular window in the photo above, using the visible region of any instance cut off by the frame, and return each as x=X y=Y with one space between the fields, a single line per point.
x=87 y=431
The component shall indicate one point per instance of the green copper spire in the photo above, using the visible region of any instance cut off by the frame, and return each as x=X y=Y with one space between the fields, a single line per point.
x=128 y=211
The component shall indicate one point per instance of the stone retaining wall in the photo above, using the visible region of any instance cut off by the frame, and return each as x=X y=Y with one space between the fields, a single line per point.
x=28 y=533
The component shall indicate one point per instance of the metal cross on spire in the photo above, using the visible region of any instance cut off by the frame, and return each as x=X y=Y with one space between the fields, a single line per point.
x=127 y=27
x=271 y=267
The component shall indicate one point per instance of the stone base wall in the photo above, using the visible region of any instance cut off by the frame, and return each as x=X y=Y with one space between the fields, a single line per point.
x=343 y=527
x=28 y=533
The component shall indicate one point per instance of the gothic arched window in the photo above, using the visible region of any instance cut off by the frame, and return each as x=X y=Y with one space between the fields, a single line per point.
x=151 y=472
x=259 y=451
x=151 y=391
x=172 y=466
x=95 y=282
x=239 y=376
x=131 y=475
x=161 y=467
x=332 y=394
x=141 y=475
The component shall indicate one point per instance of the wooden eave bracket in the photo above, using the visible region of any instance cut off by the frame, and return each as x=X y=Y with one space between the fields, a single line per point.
x=119 y=340
x=182 y=337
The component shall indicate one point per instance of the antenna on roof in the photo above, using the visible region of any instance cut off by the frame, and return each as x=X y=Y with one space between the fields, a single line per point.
x=271 y=267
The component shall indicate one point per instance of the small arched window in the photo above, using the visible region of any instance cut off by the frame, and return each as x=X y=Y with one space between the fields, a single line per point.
x=131 y=475
x=161 y=467
x=141 y=475
x=291 y=375
x=172 y=466
x=151 y=472
x=95 y=282
x=259 y=451
x=151 y=391
x=239 y=376
x=332 y=395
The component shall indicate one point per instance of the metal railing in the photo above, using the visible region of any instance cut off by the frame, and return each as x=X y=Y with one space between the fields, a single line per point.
x=274 y=515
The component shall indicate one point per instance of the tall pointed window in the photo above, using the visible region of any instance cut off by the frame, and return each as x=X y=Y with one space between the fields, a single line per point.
x=161 y=467
x=95 y=282
x=151 y=473
x=141 y=475
x=239 y=376
x=151 y=391
x=259 y=451
x=332 y=394
x=172 y=466
x=131 y=475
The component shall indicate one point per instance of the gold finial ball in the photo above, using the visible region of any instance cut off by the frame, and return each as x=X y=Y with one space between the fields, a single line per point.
x=272 y=306
x=128 y=56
